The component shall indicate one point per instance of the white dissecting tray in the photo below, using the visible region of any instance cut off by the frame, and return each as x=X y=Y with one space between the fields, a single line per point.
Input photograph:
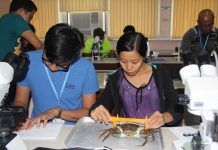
x=86 y=134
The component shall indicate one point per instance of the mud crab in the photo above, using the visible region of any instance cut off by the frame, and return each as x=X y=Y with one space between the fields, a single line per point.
x=128 y=130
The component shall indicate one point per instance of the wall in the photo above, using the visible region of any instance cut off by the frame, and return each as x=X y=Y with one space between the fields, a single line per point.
x=185 y=14
x=45 y=17
x=171 y=19
x=4 y=6
x=154 y=18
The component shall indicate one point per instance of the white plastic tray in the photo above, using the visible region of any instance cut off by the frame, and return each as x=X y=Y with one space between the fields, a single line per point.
x=86 y=132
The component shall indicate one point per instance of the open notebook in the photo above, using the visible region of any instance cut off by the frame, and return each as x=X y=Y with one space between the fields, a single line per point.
x=51 y=131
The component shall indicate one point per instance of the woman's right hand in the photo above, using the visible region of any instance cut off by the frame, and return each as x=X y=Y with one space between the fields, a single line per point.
x=100 y=113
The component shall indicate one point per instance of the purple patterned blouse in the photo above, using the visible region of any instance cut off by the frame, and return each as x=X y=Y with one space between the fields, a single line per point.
x=138 y=102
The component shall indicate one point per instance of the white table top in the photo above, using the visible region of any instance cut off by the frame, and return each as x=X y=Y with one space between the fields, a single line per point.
x=168 y=138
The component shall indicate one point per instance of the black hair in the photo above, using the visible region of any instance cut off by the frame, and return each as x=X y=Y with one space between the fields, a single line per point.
x=206 y=12
x=129 y=28
x=132 y=41
x=27 y=5
x=99 y=32
x=63 y=44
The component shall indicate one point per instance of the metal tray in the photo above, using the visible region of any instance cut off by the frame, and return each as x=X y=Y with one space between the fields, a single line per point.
x=86 y=132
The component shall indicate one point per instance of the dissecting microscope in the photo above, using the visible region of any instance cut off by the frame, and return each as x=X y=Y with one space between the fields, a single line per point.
x=201 y=91
x=96 y=48
x=12 y=67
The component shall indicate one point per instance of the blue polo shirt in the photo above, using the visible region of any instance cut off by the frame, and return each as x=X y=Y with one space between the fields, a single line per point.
x=82 y=80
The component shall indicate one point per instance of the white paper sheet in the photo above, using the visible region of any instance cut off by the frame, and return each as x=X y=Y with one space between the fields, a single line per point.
x=51 y=131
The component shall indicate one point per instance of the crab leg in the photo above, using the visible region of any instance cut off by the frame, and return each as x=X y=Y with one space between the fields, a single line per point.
x=105 y=137
x=108 y=132
x=146 y=140
x=102 y=134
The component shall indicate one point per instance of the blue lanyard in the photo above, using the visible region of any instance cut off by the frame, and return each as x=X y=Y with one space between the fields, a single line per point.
x=203 y=47
x=53 y=87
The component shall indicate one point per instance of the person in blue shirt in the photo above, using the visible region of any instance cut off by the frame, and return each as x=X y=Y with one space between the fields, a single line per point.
x=14 y=25
x=62 y=83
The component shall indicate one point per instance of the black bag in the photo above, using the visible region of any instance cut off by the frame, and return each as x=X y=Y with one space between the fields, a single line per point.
x=19 y=63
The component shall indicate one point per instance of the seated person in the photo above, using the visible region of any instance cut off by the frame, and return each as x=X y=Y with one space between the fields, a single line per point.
x=62 y=83
x=137 y=89
x=105 y=44
x=197 y=44
x=199 y=41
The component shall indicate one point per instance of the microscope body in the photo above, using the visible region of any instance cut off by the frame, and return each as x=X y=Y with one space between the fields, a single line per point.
x=96 y=55
x=96 y=48
x=201 y=89
x=12 y=67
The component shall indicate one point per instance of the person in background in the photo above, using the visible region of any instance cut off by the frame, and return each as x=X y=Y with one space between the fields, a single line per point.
x=201 y=39
x=62 y=83
x=25 y=45
x=197 y=44
x=14 y=25
x=105 y=44
x=129 y=28
x=137 y=89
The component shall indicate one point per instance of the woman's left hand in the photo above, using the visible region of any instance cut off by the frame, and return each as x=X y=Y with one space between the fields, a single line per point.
x=43 y=117
x=155 y=121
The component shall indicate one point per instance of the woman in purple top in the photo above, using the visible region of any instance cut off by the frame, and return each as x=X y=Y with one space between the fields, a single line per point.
x=137 y=89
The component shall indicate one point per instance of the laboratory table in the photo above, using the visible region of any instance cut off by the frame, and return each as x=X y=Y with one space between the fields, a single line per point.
x=167 y=136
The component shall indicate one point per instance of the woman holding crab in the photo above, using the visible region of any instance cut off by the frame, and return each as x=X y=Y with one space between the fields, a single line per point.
x=137 y=89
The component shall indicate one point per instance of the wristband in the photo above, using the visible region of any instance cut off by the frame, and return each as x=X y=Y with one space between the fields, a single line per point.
x=59 y=112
